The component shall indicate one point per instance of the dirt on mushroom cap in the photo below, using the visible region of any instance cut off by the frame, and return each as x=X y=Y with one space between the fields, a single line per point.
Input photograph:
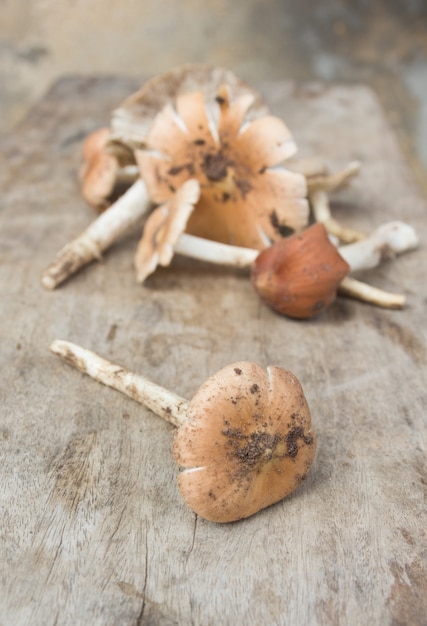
x=247 y=442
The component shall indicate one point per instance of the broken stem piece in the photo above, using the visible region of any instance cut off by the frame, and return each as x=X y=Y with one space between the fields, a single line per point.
x=322 y=213
x=384 y=243
x=99 y=236
x=162 y=402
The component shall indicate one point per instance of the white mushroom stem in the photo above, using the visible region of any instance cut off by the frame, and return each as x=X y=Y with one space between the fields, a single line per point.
x=367 y=293
x=215 y=252
x=99 y=236
x=322 y=213
x=387 y=241
x=384 y=243
x=164 y=403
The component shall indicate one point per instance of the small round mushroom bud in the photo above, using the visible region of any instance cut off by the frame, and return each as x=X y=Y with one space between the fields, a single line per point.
x=244 y=442
x=299 y=276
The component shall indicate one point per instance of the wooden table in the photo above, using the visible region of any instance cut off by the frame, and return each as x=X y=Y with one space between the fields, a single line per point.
x=93 y=529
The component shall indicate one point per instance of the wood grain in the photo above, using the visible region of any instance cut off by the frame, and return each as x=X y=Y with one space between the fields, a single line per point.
x=93 y=530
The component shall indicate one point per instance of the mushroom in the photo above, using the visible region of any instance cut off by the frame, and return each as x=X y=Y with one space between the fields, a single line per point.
x=108 y=169
x=221 y=134
x=244 y=442
x=299 y=275
x=247 y=197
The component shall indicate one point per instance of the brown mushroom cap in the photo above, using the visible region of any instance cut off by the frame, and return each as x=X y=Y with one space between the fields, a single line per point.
x=299 y=276
x=100 y=174
x=132 y=120
x=247 y=442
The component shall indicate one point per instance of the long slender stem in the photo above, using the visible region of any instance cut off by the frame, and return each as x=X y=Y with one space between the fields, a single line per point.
x=215 y=252
x=367 y=293
x=99 y=236
x=322 y=213
x=164 y=403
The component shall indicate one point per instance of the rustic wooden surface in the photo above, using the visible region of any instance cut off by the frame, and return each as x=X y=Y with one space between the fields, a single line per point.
x=93 y=530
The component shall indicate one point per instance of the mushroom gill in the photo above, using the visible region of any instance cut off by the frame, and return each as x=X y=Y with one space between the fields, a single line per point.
x=247 y=197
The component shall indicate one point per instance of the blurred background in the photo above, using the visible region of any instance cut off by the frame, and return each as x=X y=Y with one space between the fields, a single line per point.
x=382 y=43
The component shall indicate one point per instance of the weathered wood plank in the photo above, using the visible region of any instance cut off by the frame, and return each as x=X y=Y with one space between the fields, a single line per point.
x=93 y=530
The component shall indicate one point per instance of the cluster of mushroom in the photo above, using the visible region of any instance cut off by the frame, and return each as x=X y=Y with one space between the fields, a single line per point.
x=197 y=153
